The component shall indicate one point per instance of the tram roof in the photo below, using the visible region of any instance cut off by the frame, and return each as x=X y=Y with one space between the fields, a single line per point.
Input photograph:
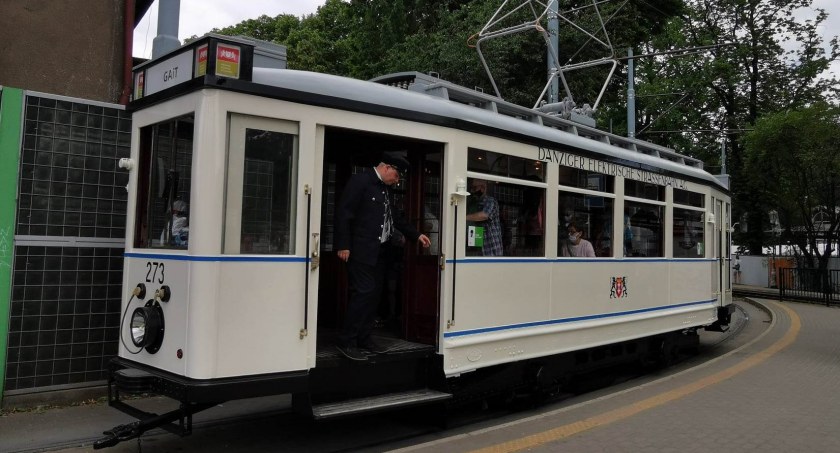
x=411 y=96
x=446 y=104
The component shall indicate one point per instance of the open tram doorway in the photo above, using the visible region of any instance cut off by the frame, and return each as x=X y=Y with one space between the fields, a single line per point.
x=408 y=310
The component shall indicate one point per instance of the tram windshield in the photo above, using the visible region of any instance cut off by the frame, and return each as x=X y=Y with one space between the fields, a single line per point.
x=163 y=202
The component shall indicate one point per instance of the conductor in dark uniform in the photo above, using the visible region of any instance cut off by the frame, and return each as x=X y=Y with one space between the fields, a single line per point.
x=365 y=220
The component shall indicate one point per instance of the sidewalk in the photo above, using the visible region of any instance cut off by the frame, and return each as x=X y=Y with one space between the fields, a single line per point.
x=777 y=393
x=75 y=426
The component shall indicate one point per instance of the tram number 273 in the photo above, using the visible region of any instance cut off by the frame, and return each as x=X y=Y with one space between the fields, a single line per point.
x=154 y=272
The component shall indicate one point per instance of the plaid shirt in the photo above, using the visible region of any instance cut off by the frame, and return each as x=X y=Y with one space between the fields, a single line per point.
x=492 y=227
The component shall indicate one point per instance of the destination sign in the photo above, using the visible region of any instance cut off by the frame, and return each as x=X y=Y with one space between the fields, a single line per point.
x=608 y=168
x=169 y=73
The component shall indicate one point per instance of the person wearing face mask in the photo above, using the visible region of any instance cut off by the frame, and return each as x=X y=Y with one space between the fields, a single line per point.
x=486 y=215
x=575 y=245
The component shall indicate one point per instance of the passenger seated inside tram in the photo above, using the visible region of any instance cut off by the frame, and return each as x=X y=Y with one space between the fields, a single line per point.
x=180 y=229
x=483 y=210
x=575 y=245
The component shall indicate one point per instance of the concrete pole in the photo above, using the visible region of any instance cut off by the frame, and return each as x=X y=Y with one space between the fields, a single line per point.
x=166 y=40
x=631 y=96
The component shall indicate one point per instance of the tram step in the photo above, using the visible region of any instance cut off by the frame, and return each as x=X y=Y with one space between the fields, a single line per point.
x=377 y=403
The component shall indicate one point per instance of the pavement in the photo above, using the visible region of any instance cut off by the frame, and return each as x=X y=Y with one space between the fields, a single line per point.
x=71 y=427
x=777 y=391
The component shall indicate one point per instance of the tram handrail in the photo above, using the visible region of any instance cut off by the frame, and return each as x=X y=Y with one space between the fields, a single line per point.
x=305 y=331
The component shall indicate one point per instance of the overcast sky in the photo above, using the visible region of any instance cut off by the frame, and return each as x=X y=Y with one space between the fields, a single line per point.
x=200 y=16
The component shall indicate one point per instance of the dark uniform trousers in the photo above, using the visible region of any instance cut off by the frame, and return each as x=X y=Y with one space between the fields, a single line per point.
x=366 y=292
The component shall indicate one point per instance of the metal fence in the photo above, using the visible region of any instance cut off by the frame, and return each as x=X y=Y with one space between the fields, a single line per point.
x=810 y=284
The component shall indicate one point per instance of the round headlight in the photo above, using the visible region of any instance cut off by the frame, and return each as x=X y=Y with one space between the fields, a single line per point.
x=139 y=324
x=147 y=327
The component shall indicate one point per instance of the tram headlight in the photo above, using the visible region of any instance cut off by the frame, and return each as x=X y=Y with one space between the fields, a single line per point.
x=147 y=327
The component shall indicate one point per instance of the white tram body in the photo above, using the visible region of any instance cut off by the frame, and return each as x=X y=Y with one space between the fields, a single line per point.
x=252 y=290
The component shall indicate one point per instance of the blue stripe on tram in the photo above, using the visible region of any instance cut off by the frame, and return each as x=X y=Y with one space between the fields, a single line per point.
x=236 y=258
x=575 y=319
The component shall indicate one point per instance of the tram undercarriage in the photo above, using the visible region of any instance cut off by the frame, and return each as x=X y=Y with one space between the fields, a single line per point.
x=409 y=374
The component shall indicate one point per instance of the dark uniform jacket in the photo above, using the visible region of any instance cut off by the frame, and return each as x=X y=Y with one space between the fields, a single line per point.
x=360 y=214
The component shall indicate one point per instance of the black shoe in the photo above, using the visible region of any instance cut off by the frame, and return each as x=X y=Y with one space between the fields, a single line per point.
x=374 y=346
x=351 y=352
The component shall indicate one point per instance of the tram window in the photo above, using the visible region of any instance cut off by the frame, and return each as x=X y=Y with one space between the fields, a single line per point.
x=688 y=234
x=164 y=184
x=640 y=189
x=503 y=165
x=688 y=198
x=505 y=219
x=583 y=179
x=592 y=215
x=643 y=229
x=268 y=192
x=431 y=204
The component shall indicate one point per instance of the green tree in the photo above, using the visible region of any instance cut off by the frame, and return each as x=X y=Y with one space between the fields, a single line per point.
x=793 y=166
x=317 y=42
x=276 y=29
x=366 y=38
x=322 y=42
x=518 y=61
x=767 y=61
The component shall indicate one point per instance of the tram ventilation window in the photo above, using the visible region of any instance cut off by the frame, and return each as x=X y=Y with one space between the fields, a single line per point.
x=688 y=198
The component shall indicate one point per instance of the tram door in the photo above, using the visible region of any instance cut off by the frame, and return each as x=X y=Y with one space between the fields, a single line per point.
x=720 y=252
x=265 y=240
x=410 y=297
x=422 y=277
x=727 y=247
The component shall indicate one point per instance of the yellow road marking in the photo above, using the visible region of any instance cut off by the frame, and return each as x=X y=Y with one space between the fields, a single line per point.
x=562 y=432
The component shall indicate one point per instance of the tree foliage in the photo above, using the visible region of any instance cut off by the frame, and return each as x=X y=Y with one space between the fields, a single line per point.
x=766 y=60
x=367 y=38
x=793 y=166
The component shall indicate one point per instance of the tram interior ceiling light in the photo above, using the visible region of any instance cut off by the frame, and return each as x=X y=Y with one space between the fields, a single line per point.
x=147 y=327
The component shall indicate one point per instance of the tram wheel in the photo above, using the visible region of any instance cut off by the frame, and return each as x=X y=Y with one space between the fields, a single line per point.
x=669 y=351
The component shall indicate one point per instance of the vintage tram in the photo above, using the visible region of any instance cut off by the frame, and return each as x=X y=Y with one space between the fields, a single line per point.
x=232 y=288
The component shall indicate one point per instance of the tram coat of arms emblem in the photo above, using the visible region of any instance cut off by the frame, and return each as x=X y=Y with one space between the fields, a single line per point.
x=619 y=287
